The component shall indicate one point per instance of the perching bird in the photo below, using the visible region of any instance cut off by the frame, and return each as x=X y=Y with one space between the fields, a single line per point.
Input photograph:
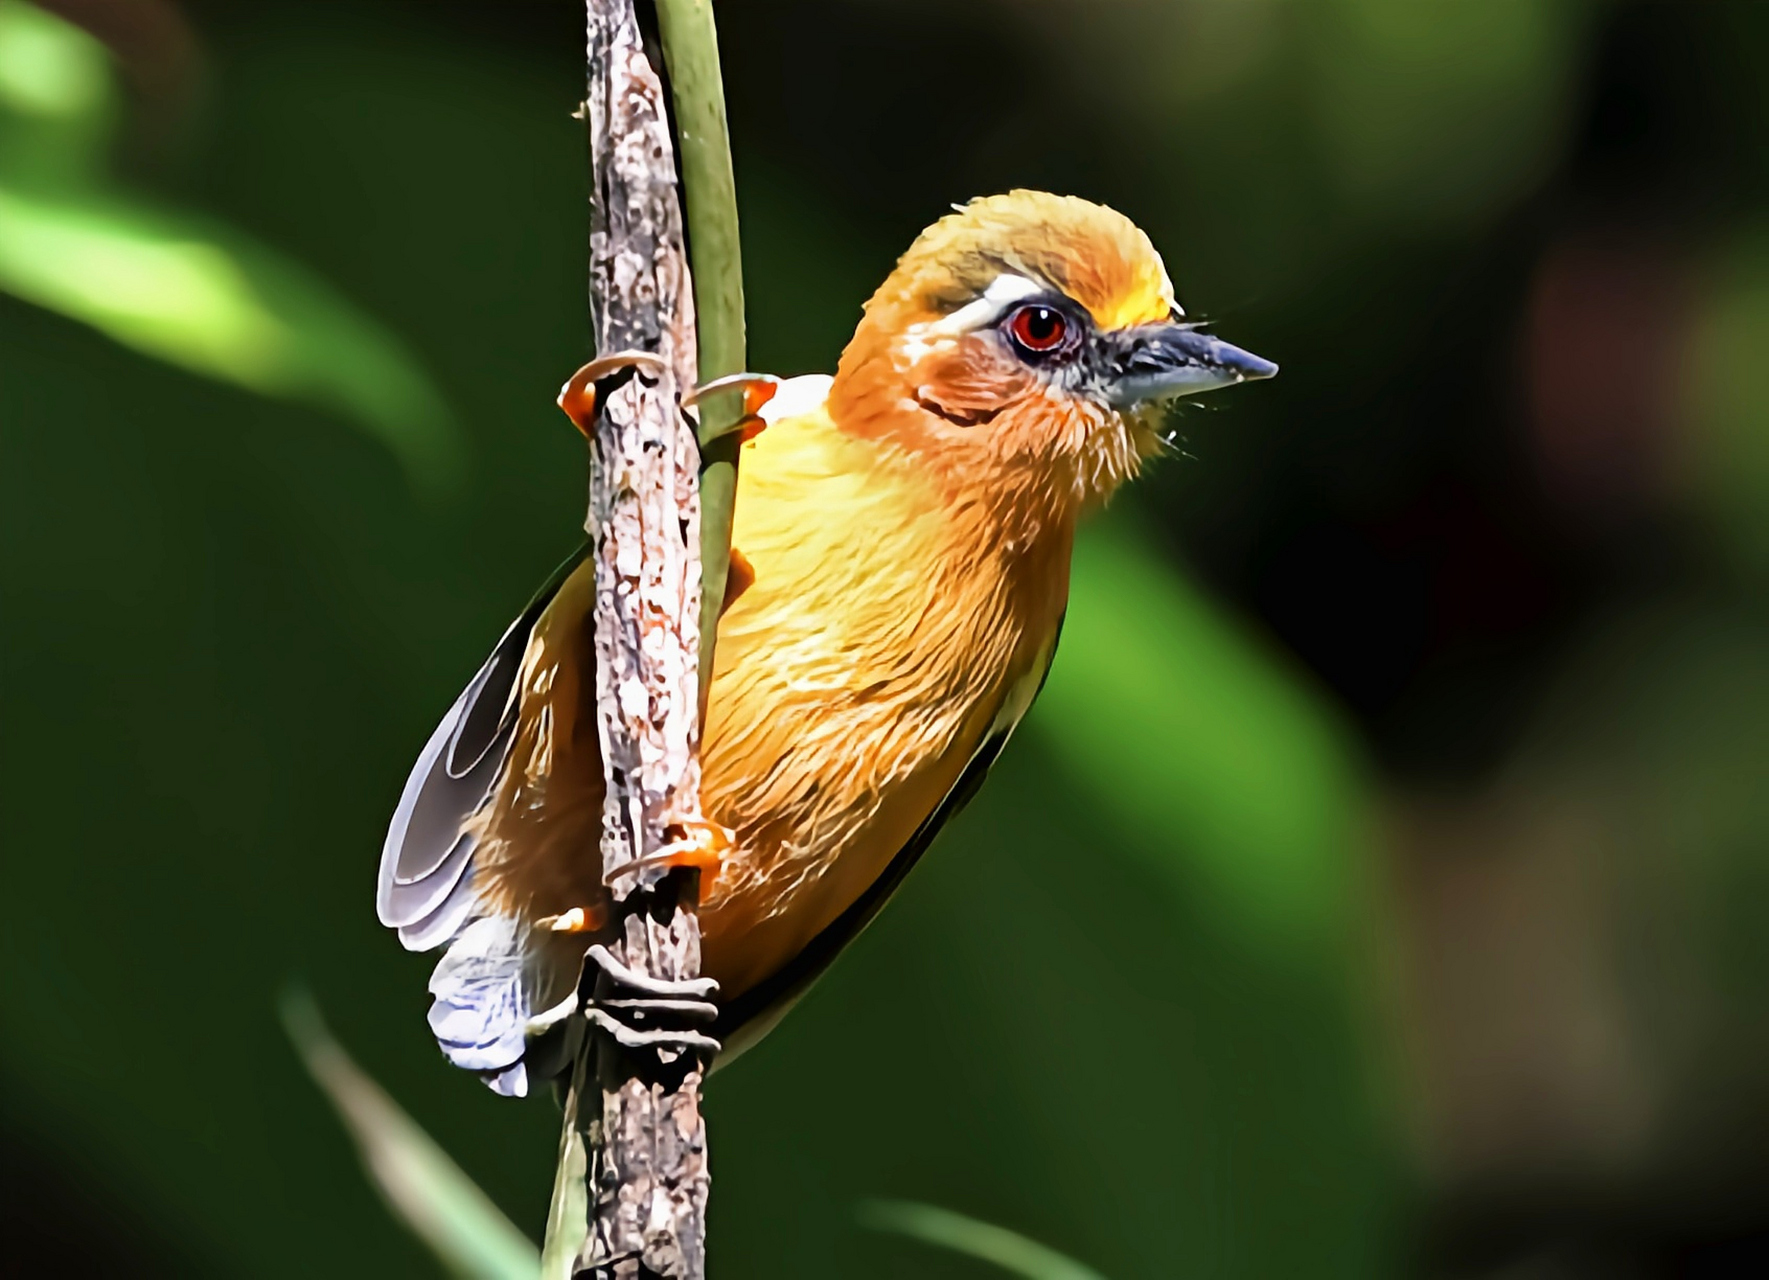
x=905 y=531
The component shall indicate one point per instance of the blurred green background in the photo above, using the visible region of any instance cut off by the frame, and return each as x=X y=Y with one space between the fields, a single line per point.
x=1381 y=887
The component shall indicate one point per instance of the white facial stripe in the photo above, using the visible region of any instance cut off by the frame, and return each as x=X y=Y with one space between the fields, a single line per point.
x=1003 y=292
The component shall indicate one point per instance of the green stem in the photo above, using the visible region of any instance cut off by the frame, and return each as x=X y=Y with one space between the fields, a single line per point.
x=691 y=51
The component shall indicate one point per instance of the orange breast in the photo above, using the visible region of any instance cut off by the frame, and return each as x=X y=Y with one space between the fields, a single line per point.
x=855 y=677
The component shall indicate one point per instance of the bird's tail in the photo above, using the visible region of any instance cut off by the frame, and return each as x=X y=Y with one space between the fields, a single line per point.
x=501 y=1000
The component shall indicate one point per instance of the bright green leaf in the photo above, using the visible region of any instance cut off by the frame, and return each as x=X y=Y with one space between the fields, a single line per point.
x=48 y=66
x=190 y=291
x=948 y=1230
x=1203 y=751
x=428 y=1191
x=211 y=300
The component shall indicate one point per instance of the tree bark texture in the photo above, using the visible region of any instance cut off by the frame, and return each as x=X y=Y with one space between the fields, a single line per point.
x=643 y=1138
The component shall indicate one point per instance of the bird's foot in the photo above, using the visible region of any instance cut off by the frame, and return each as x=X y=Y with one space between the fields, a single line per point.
x=578 y=396
x=757 y=388
x=697 y=842
x=644 y=1012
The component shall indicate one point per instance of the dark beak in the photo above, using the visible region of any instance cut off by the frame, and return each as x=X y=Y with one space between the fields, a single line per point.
x=1156 y=362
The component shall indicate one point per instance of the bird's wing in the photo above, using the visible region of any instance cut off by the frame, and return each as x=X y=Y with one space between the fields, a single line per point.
x=425 y=888
x=750 y=1016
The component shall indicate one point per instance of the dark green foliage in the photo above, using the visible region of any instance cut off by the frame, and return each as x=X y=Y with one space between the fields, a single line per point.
x=230 y=620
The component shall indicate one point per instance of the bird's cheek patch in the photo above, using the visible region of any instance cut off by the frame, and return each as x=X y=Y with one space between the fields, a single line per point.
x=972 y=382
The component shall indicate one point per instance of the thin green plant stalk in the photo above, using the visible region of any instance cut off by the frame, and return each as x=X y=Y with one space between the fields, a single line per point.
x=690 y=50
x=425 y=1189
x=568 y=1211
x=703 y=141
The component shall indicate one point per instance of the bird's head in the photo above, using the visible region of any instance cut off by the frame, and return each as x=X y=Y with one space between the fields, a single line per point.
x=1034 y=335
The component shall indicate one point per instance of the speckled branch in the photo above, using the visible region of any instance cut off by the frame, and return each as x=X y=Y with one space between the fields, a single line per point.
x=630 y=1195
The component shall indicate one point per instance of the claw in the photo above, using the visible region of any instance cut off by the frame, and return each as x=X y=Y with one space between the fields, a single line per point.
x=664 y=988
x=628 y=1037
x=547 y=1019
x=688 y=1000
x=758 y=389
x=697 y=843
x=578 y=396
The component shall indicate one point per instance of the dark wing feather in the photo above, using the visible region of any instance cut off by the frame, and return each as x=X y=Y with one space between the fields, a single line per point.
x=750 y=1016
x=425 y=884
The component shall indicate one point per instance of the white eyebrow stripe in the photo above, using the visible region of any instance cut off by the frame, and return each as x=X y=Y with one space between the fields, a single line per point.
x=1003 y=291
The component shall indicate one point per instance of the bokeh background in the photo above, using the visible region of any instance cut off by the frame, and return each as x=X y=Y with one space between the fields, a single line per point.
x=1381 y=888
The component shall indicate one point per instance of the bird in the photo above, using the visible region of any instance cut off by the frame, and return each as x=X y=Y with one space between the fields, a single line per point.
x=900 y=551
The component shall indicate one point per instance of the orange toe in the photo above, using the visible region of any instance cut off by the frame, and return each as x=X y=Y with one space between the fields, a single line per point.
x=576 y=920
x=756 y=394
x=578 y=396
x=702 y=845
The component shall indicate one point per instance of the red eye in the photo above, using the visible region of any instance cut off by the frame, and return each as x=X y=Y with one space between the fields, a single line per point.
x=1038 y=329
